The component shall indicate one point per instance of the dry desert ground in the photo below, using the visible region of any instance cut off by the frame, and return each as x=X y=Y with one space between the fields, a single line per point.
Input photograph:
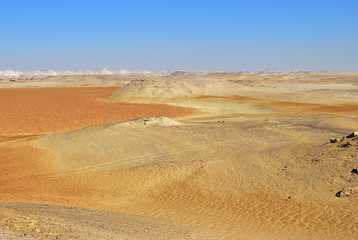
x=185 y=156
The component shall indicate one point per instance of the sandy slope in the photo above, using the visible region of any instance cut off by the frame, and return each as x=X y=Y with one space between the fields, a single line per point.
x=41 y=221
x=257 y=165
x=248 y=179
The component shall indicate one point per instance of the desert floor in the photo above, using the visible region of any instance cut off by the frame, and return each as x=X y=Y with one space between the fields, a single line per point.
x=189 y=156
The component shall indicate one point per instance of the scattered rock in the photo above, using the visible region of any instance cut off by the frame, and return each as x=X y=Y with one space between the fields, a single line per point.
x=347 y=145
x=354 y=171
x=162 y=121
x=348 y=141
x=352 y=135
x=347 y=192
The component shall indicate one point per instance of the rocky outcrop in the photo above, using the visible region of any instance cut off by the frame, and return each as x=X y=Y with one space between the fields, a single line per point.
x=104 y=71
x=161 y=121
x=352 y=135
x=347 y=192
x=155 y=88
x=152 y=89
x=351 y=140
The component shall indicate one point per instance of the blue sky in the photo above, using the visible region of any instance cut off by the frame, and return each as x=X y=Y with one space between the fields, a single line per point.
x=179 y=35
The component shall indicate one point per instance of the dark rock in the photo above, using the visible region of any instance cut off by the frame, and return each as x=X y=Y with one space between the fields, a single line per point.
x=347 y=145
x=352 y=135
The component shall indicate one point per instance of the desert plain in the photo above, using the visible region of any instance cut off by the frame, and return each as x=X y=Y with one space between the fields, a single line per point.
x=183 y=156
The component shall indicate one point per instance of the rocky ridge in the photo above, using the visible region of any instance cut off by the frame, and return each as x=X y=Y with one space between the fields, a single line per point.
x=350 y=142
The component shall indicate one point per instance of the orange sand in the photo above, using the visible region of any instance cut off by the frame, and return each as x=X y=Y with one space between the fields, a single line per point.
x=28 y=111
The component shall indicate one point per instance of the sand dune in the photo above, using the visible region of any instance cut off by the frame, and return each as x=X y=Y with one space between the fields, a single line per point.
x=229 y=175
x=256 y=163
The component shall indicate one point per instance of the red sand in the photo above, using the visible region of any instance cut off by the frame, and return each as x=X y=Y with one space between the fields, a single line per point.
x=29 y=111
